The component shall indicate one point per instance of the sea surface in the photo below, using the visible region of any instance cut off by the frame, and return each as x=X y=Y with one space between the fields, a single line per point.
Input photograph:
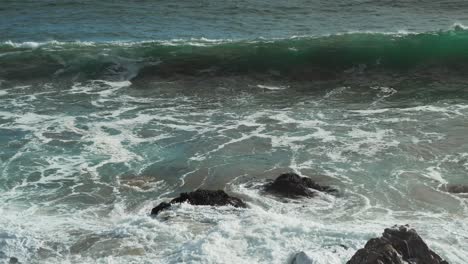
x=108 y=108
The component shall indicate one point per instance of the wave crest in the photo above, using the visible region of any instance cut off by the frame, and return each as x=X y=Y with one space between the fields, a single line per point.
x=324 y=57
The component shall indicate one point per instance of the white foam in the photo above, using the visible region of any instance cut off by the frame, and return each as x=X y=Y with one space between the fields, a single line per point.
x=370 y=142
x=336 y=91
x=458 y=26
x=95 y=87
x=111 y=146
x=448 y=110
x=27 y=44
x=318 y=139
x=370 y=111
x=270 y=231
x=271 y=87
x=202 y=42
x=35 y=44
x=325 y=136
x=434 y=173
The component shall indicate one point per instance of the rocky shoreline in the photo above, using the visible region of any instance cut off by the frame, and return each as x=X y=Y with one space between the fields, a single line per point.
x=397 y=245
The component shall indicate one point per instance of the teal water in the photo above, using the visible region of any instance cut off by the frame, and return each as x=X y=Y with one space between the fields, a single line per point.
x=107 y=109
x=90 y=20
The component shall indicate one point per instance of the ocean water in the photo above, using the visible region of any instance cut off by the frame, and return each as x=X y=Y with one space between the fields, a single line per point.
x=109 y=108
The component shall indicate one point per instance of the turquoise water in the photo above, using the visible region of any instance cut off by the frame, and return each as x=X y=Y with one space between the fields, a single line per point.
x=107 y=109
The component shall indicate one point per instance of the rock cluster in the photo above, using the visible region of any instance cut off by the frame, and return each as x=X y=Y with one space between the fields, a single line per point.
x=289 y=184
x=397 y=245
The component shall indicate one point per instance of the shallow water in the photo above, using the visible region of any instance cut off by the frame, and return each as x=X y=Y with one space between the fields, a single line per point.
x=82 y=167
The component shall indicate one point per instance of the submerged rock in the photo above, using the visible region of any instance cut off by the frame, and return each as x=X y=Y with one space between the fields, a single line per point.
x=397 y=245
x=453 y=188
x=202 y=197
x=301 y=258
x=293 y=185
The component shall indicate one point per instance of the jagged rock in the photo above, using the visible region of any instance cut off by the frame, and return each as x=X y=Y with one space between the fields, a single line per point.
x=14 y=260
x=202 y=197
x=397 y=245
x=301 y=258
x=292 y=185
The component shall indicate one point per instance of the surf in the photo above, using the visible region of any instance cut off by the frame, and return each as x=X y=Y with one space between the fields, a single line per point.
x=296 y=58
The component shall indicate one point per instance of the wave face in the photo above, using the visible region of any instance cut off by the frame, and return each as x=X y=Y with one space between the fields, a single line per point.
x=300 y=58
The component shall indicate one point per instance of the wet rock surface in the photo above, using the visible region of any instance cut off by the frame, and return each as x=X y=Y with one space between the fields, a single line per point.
x=397 y=245
x=202 y=197
x=160 y=207
x=13 y=260
x=456 y=188
x=301 y=258
x=292 y=185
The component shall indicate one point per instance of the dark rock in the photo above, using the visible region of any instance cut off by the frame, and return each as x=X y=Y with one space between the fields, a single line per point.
x=301 y=258
x=202 y=197
x=293 y=185
x=160 y=207
x=397 y=245
x=14 y=260
x=208 y=197
x=452 y=188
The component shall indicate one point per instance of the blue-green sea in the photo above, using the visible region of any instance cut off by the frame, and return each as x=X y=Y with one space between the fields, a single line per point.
x=108 y=108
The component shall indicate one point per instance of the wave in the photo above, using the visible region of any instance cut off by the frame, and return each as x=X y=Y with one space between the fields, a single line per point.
x=301 y=58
